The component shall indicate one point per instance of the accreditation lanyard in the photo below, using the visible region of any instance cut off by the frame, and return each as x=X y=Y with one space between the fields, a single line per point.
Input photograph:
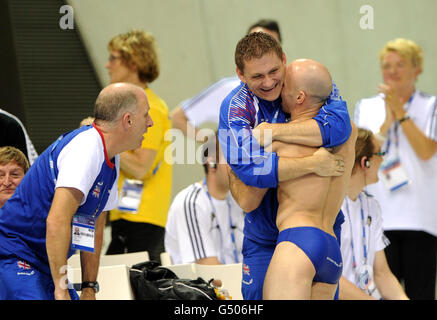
x=52 y=171
x=363 y=234
x=231 y=225
x=82 y=226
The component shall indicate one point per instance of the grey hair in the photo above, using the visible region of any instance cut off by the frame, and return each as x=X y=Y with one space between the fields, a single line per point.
x=110 y=106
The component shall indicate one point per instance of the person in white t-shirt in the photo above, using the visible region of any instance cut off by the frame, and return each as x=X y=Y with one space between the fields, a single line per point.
x=407 y=118
x=205 y=224
x=366 y=274
x=205 y=106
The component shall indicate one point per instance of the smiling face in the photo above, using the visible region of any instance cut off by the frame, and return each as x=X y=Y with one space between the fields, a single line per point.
x=398 y=71
x=264 y=76
x=11 y=175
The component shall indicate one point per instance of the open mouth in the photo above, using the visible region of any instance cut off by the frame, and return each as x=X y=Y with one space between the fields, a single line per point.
x=269 y=90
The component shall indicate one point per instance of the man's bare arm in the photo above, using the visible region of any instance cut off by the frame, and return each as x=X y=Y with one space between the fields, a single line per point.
x=58 y=235
x=322 y=163
x=305 y=133
x=387 y=284
x=247 y=197
x=90 y=261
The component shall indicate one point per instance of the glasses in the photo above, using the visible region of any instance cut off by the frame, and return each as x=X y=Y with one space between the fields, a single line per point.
x=113 y=58
x=380 y=153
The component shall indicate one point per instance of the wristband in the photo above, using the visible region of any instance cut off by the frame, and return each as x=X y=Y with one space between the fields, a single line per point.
x=404 y=118
x=91 y=284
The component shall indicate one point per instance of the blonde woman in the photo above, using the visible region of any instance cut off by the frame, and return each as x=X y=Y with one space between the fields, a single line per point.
x=407 y=119
x=138 y=222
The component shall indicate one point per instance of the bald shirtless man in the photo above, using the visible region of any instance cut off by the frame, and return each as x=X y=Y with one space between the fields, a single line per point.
x=307 y=260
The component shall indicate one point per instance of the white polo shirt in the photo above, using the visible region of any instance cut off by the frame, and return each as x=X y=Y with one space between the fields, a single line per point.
x=413 y=206
x=352 y=239
x=205 y=107
x=200 y=227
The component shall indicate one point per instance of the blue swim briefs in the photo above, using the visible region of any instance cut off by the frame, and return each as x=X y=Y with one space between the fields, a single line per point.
x=322 y=249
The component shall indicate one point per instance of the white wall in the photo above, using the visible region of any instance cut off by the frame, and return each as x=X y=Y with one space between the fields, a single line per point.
x=197 y=39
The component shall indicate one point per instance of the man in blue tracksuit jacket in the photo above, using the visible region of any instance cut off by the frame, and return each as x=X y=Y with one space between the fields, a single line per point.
x=261 y=68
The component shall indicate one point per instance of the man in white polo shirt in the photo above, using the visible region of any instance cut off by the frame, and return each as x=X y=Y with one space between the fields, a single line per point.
x=407 y=119
x=205 y=224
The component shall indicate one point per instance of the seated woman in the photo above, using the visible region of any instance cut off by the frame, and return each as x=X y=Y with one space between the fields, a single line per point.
x=366 y=273
x=13 y=167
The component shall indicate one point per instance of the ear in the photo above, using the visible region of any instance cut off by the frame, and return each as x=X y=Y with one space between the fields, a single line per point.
x=126 y=120
x=301 y=96
x=240 y=75
x=365 y=163
x=284 y=58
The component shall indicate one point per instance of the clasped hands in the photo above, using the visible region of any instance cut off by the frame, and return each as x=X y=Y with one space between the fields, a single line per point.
x=394 y=103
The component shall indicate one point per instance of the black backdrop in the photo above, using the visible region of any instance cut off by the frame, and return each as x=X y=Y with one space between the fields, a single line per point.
x=46 y=77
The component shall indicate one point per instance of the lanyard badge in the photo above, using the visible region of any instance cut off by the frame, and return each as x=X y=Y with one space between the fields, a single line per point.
x=364 y=276
x=130 y=196
x=83 y=226
x=363 y=272
x=393 y=174
x=83 y=232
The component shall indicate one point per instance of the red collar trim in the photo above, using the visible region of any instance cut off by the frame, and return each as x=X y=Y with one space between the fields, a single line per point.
x=108 y=162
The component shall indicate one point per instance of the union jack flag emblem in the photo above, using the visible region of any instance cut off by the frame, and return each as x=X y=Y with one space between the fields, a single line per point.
x=24 y=265
x=246 y=269
x=96 y=191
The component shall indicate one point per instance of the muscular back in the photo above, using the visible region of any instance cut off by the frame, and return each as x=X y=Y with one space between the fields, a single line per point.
x=312 y=200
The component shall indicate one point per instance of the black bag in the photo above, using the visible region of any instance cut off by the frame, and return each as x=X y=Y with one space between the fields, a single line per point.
x=150 y=281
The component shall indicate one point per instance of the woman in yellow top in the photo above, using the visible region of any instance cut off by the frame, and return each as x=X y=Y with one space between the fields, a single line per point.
x=138 y=224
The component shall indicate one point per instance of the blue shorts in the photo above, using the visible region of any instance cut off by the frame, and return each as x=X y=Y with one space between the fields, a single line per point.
x=256 y=260
x=20 y=281
x=322 y=249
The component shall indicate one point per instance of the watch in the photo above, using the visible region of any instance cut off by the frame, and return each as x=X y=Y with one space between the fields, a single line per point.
x=404 y=118
x=91 y=284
